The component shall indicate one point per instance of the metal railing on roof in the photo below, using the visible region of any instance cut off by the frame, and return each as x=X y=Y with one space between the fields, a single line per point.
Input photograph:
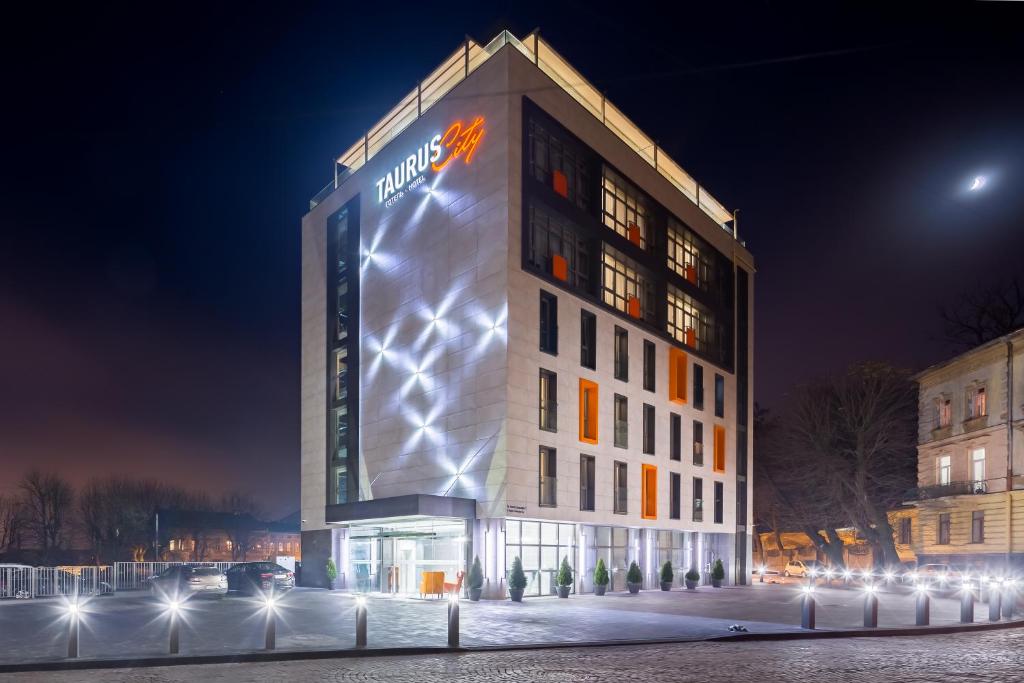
x=467 y=59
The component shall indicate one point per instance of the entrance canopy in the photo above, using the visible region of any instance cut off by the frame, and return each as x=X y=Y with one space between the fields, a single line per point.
x=401 y=507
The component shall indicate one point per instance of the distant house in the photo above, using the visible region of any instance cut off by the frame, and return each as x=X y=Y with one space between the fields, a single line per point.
x=201 y=536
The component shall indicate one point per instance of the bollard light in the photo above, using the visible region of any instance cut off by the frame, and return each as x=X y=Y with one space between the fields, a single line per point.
x=453 y=620
x=807 y=608
x=966 y=604
x=74 y=617
x=763 y=569
x=870 y=606
x=994 y=600
x=270 y=639
x=1009 y=599
x=924 y=605
x=360 y=621
x=173 y=613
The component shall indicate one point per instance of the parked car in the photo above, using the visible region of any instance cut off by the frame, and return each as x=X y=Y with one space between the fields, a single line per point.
x=185 y=580
x=803 y=568
x=254 y=577
x=939 y=575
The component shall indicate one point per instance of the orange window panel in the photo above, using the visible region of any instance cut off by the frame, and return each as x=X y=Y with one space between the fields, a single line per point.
x=719 y=449
x=559 y=267
x=560 y=183
x=691 y=274
x=634 y=234
x=678 y=365
x=649 y=492
x=633 y=306
x=588 y=411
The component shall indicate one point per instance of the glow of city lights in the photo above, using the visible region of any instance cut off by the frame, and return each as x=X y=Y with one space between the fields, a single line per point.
x=978 y=183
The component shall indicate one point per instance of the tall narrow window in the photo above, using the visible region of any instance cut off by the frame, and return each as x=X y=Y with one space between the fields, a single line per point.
x=649 y=492
x=719 y=396
x=944 y=408
x=548 y=400
x=619 y=493
x=548 y=322
x=587 y=479
x=942 y=535
x=978 y=469
x=588 y=340
x=698 y=443
x=675 y=423
x=976 y=405
x=621 y=422
x=698 y=499
x=648 y=365
x=648 y=429
x=978 y=526
x=677 y=367
x=905 y=533
x=548 y=477
x=945 y=469
x=698 y=386
x=588 y=411
x=621 y=354
x=675 y=495
x=719 y=502
x=719 y=464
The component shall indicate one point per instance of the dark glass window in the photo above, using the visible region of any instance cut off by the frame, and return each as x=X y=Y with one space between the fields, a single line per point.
x=587 y=485
x=548 y=322
x=619 y=491
x=626 y=287
x=548 y=235
x=719 y=396
x=624 y=209
x=548 y=384
x=719 y=503
x=548 y=477
x=648 y=365
x=621 y=354
x=675 y=497
x=675 y=436
x=588 y=340
x=905 y=533
x=977 y=526
x=698 y=499
x=621 y=422
x=698 y=443
x=943 y=529
x=648 y=429
x=698 y=387
x=689 y=256
x=693 y=324
x=549 y=152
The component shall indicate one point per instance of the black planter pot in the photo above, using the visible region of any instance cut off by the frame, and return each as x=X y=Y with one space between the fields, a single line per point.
x=634 y=588
x=691 y=585
x=474 y=594
x=563 y=591
x=716 y=583
x=516 y=594
x=666 y=586
x=599 y=590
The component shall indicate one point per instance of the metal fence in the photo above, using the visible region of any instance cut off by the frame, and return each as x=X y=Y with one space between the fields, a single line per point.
x=129 y=576
x=41 y=582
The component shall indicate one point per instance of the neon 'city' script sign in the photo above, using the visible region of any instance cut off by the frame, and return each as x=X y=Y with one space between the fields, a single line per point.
x=458 y=142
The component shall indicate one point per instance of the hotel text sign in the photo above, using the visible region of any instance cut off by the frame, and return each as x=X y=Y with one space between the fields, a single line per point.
x=458 y=142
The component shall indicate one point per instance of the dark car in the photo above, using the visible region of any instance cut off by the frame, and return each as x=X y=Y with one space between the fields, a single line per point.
x=259 y=577
x=183 y=581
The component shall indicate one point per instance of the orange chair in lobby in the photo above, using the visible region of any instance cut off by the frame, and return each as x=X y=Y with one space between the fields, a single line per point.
x=432 y=583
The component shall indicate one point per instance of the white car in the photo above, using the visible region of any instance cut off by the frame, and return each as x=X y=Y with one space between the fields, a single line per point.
x=803 y=568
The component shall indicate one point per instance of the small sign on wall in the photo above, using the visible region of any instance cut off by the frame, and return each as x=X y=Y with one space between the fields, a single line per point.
x=513 y=509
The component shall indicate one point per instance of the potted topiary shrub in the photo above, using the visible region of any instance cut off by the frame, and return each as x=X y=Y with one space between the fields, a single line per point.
x=601 y=577
x=666 y=576
x=476 y=580
x=634 y=578
x=717 y=574
x=516 y=581
x=332 y=573
x=563 y=580
x=692 y=578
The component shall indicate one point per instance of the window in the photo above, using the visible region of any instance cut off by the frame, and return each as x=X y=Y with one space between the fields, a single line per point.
x=587 y=479
x=621 y=354
x=905 y=534
x=698 y=443
x=942 y=537
x=588 y=340
x=623 y=209
x=698 y=386
x=548 y=322
x=978 y=466
x=675 y=495
x=698 y=499
x=719 y=435
x=552 y=155
x=340 y=481
x=548 y=400
x=690 y=323
x=977 y=526
x=719 y=501
x=675 y=429
x=588 y=411
x=649 y=492
x=677 y=367
x=688 y=256
x=945 y=468
x=719 y=396
x=550 y=236
x=548 y=477
x=648 y=429
x=619 y=493
x=976 y=403
x=944 y=409
x=624 y=287
x=621 y=422
x=341 y=374
x=648 y=365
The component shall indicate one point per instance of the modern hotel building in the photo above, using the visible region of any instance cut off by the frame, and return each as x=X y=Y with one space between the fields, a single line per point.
x=526 y=331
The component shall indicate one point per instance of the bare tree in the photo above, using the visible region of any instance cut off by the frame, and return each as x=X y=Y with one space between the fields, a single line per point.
x=243 y=511
x=11 y=523
x=984 y=313
x=46 y=499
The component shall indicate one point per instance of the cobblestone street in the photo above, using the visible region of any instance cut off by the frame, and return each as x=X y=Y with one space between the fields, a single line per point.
x=976 y=657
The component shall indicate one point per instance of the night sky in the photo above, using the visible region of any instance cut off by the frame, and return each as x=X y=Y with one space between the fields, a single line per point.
x=156 y=168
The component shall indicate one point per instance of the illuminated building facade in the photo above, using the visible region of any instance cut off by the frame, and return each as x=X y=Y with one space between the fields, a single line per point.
x=525 y=332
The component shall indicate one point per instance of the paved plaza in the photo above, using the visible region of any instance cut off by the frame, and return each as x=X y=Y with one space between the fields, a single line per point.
x=135 y=625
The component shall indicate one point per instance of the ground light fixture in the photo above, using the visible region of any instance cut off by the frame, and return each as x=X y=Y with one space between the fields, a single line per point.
x=870 y=605
x=173 y=608
x=807 y=608
x=923 y=605
x=453 y=619
x=966 y=602
x=270 y=605
x=360 y=621
x=763 y=569
x=74 y=615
